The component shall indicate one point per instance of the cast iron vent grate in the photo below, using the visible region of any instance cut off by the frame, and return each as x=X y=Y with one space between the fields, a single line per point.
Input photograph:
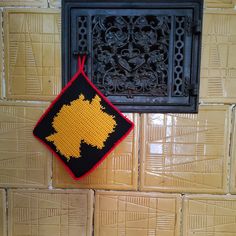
x=144 y=56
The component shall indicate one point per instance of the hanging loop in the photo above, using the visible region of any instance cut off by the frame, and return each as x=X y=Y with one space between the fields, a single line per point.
x=81 y=62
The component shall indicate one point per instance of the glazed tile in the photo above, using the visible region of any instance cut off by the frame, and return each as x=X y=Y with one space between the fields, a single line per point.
x=24 y=162
x=32 y=53
x=233 y=156
x=55 y=3
x=118 y=171
x=136 y=213
x=3 y=222
x=218 y=70
x=220 y=3
x=33 y=3
x=50 y=212
x=186 y=152
x=209 y=216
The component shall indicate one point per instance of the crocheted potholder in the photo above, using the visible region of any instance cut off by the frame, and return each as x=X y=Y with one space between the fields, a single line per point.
x=81 y=127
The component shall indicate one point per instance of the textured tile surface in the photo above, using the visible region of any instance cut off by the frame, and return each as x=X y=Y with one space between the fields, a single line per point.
x=139 y=214
x=118 y=171
x=233 y=156
x=209 y=216
x=55 y=3
x=185 y=152
x=35 y=3
x=220 y=3
x=24 y=162
x=32 y=52
x=218 y=70
x=59 y=213
x=3 y=221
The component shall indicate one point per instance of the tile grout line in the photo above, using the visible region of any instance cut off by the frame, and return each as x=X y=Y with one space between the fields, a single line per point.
x=7 y=211
x=228 y=140
x=50 y=180
x=139 y=150
x=93 y=216
x=181 y=215
x=231 y=140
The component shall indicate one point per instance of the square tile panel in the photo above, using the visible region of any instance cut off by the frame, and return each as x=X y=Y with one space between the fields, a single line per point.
x=218 y=70
x=3 y=221
x=233 y=156
x=209 y=216
x=118 y=171
x=24 y=162
x=50 y=212
x=220 y=3
x=32 y=53
x=34 y=3
x=136 y=214
x=55 y=3
x=186 y=152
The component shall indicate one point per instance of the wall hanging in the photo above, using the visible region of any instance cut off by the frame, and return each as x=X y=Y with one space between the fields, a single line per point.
x=81 y=127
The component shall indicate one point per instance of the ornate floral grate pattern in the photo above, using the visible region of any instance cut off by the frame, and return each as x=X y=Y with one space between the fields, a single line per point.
x=131 y=54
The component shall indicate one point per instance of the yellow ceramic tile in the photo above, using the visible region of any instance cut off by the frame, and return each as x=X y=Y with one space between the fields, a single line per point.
x=186 y=152
x=209 y=216
x=50 y=212
x=136 y=214
x=118 y=171
x=3 y=221
x=24 y=162
x=220 y=3
x=34 y=3
x=233 y=156
x=55 y=3
x=32 y=53
x=218 y=70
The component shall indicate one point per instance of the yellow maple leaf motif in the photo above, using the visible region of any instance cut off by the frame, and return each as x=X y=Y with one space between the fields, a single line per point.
x=81 y=121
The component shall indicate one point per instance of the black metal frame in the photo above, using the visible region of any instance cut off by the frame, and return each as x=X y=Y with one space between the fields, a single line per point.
x=148 y=100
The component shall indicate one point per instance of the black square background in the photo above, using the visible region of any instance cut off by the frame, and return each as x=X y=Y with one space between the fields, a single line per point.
x=89 y=155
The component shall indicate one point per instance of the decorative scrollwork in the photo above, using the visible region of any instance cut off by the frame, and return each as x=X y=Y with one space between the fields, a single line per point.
x=130 y=54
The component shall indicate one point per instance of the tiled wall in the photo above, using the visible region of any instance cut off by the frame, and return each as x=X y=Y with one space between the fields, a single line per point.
x=174 y=175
